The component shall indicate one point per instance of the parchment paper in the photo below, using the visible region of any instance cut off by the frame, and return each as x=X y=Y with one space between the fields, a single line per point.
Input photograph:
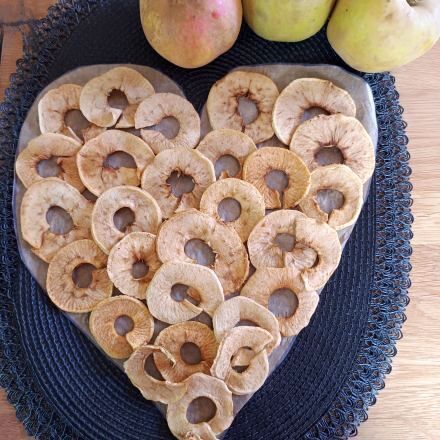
x=282 y=75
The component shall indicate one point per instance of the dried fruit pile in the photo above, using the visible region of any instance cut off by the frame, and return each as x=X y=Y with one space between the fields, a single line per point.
x=217 y=226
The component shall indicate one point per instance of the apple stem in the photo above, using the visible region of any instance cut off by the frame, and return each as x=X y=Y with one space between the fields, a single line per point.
x=412 y=2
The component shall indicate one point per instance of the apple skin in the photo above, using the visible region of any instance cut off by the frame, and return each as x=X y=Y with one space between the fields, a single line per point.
x=380 y=35
x=286 y=20
x=191 y=33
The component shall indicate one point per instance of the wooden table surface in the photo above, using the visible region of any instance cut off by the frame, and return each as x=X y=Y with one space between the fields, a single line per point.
x=409 y=407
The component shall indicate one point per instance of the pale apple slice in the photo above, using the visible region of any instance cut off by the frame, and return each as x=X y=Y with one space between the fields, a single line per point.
x=306 y=94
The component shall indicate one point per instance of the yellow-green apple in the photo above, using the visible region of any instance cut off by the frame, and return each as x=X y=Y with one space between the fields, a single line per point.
x=191 y=33
x=379 y=35
x=286 y=20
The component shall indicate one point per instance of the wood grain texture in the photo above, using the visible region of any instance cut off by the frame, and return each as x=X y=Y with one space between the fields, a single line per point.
x=36 y=9
x=11 y=11
x=409 y=407
x=10 y=427
x=11 y=50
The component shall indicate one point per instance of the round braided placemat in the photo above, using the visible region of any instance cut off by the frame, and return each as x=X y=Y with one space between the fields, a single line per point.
x=63 y=388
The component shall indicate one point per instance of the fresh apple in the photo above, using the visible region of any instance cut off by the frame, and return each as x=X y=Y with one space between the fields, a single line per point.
x=287 y=20
x=379 y=35
x=191 y=33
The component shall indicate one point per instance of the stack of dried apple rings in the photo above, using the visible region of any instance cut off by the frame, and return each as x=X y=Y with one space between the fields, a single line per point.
x=173 y=265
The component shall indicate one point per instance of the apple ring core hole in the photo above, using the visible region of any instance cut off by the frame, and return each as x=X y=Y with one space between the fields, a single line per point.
x=329 y=155
x=180 y=183
x=59 y=220
x=283 y=303
x=247 y=109
x=228 y=164
x=123 y=218
x=82 y=275
x=123 y=325
x=202 y=409
x=200 y=252
x=229 y=209
x=329 y=200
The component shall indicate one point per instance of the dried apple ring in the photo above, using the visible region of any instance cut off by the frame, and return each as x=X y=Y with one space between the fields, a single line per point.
x=151 y=388
x=102 y=322
x=201 y=385
x=315 y=254
x=146 y=211
x=345 y=133
x=223 y=101
x=231 y=312
x=45 y=147
x=37 y=200
x=163 y=307
x=304 y=94
x=249 y=199
x=338 y=178
x=137 y=247
x=184 y=162
x=266 y=281
x=256 y=373
x=173 y=339
x=94 y=97
x=62 y=289
x=259 y=165
x=97 y=177
x=163 y=105
x=231 y=261
x=227 y=143
x=53 y=108
x=265 y=249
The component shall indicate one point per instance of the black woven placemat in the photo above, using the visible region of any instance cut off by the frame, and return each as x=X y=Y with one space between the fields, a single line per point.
x=63 y=388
